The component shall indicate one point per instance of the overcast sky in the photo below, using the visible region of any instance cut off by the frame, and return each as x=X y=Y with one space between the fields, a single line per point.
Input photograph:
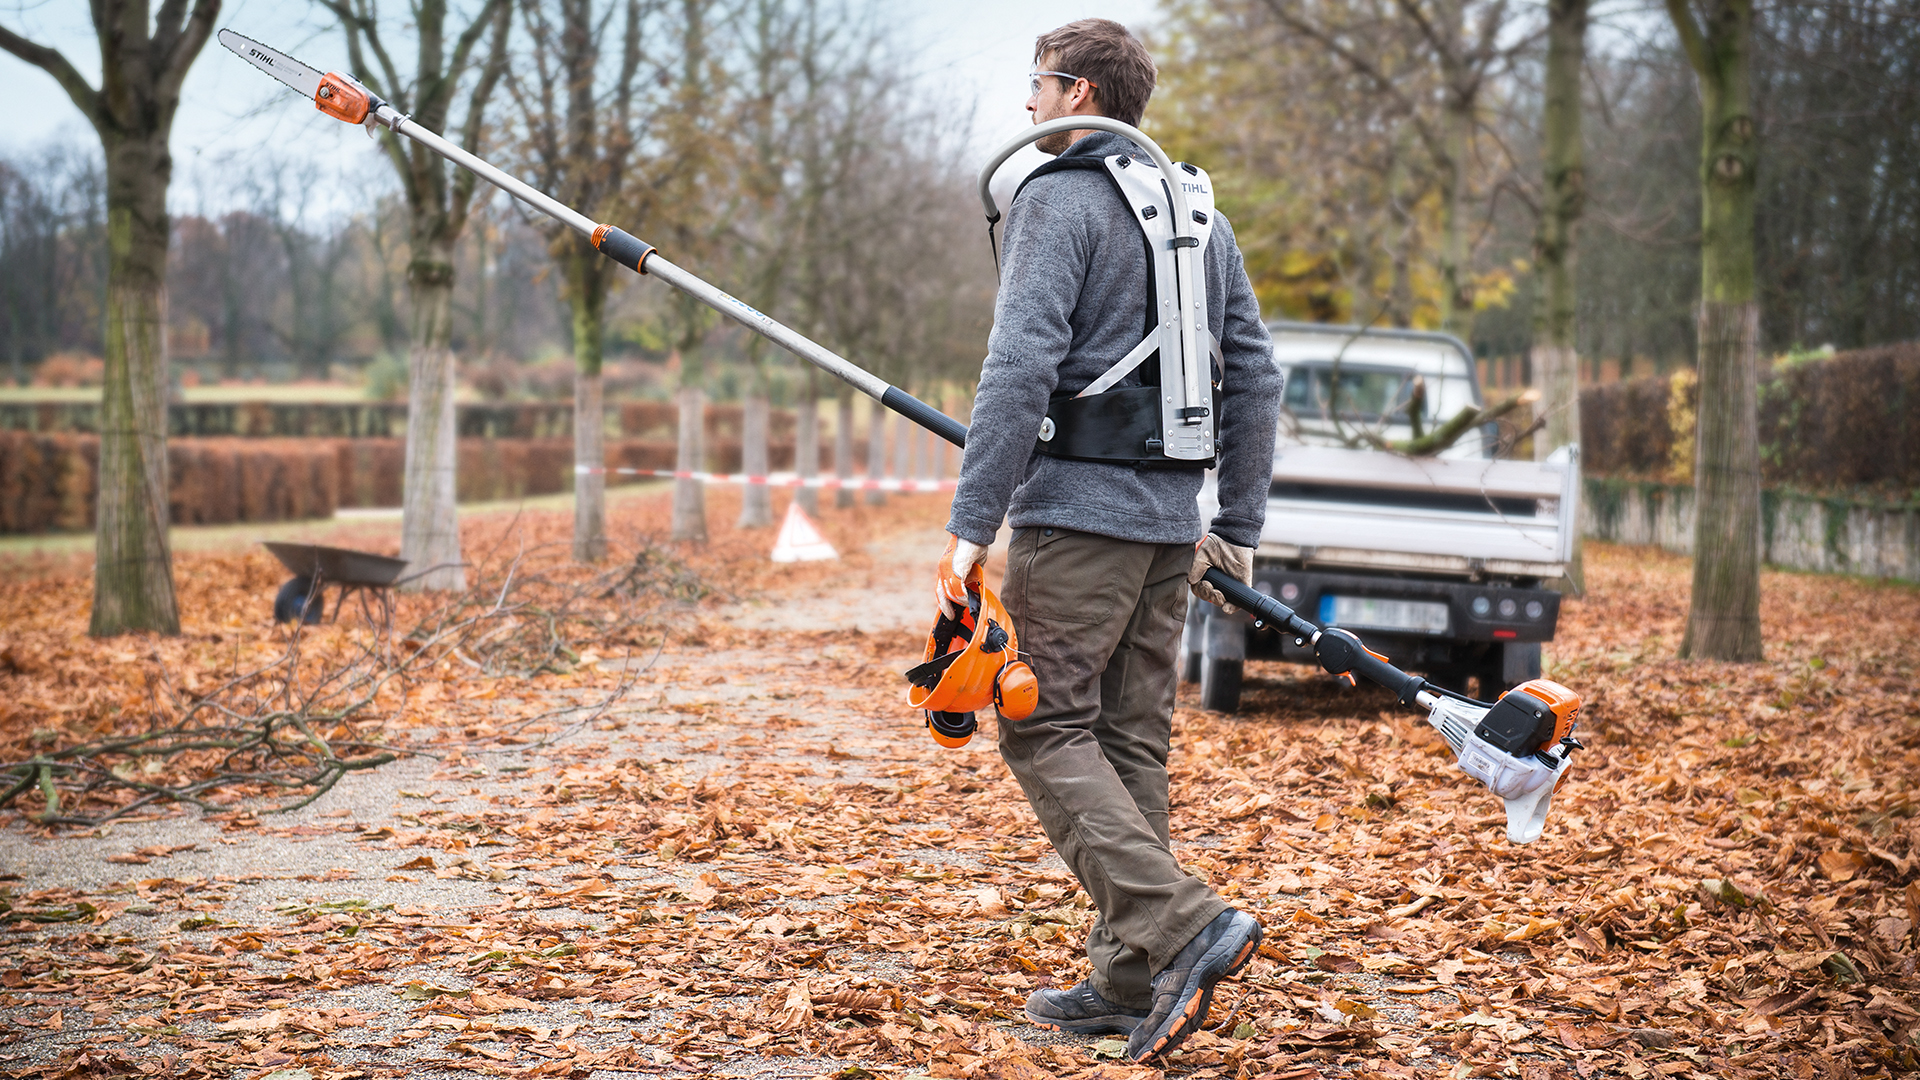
x=980 y=51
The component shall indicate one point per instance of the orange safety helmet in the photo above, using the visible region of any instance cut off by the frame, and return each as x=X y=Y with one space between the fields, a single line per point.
x=971 y=661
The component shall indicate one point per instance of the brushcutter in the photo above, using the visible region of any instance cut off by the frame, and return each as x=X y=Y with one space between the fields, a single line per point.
x=1519 y=746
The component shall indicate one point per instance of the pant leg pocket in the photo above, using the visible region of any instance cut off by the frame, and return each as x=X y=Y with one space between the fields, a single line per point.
x=1074 y=577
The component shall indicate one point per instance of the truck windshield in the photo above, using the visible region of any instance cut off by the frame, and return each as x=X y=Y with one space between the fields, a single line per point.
x=1365 y=393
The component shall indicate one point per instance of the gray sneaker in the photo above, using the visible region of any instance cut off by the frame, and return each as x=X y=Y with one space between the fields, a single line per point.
x=1183 y=990
x=1080 y=1010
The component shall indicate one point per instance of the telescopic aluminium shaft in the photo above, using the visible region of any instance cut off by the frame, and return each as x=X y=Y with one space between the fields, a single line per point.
x=640 y=256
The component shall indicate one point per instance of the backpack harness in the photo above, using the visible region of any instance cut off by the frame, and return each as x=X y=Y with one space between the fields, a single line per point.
x=1160 y=415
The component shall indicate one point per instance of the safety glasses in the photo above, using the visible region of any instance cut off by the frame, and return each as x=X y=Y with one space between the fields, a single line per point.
x=1033 y=80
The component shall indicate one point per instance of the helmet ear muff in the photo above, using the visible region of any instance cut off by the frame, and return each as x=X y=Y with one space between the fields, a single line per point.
x=951 y=730
x=1016 y=691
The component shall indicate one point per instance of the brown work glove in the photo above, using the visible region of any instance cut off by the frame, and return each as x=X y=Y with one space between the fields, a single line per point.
x=1213 y=553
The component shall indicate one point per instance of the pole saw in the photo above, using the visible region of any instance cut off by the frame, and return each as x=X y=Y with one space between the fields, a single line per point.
x=1520 y=746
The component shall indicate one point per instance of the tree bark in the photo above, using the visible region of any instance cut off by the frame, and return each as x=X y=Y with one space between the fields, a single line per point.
x=756 y=501
x=589 y=478
x=429 y=518
x=843 y=451
x=690 y=496
x=877 y=452
x=1723 y=618
x=1456 y=277
x=1556 y=362
x=587 y=296
x=133 y=564
x=806 y=446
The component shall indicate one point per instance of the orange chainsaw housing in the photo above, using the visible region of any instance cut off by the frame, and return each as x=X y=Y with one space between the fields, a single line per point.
x=342 y=99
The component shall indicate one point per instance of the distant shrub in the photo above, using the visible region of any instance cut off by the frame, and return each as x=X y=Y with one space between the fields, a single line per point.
x=70 y=370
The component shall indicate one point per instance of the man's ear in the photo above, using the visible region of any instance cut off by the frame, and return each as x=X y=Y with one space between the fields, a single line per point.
x=1081 y=97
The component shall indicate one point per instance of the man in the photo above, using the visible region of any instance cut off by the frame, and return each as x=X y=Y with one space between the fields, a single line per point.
x=1102 y=554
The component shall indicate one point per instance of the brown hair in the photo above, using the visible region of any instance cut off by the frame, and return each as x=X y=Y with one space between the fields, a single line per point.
x=1107 y=55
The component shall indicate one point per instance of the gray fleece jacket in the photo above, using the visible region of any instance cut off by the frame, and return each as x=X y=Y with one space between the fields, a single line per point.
x=1073 y=295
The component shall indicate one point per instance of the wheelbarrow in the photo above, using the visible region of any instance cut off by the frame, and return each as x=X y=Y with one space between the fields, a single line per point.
x=316 y=566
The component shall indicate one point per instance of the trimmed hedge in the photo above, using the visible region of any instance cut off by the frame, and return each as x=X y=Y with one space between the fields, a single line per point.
x=48 y=482
x=1839 y=424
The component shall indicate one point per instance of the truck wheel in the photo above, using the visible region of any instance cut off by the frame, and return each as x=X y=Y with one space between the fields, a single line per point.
x=1192 y=634
x=1507 y=666
x=1220 y=684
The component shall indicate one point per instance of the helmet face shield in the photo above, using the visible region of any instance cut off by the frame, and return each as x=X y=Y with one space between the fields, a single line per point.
x=971 y=662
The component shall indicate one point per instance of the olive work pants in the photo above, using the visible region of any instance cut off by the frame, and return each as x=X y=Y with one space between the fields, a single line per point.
x=1100 y=619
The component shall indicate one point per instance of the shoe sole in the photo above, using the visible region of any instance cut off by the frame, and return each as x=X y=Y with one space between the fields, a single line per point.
x=1085 y=1027
x=1202 y=999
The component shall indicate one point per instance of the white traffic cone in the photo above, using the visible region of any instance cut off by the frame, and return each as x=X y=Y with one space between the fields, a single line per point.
x=799 y=540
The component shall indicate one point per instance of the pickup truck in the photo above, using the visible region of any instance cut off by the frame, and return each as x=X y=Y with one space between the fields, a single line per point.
x=1444 y=564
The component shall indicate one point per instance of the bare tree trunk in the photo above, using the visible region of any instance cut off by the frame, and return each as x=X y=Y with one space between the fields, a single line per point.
x=1723 y=619
x=1456 y=276
x=438 y=202
x=429 y=517
x=1556 y=364
x=877 y=452
x=133 y=565
x=587 y=296
x=1400 y=287
x=690 y=496
x=756 y=501
x=144 y=58
x=903 y=449
x=806 y=446
x=589 y=468
x=843 y=451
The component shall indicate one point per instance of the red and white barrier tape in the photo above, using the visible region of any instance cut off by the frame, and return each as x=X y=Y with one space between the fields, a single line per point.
x=781 y=480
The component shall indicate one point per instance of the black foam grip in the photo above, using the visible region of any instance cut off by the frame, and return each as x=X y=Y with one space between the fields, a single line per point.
x=925 y=415
x=1263 y=607
x=625 y=248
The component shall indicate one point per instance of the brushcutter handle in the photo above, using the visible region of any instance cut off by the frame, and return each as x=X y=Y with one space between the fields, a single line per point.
x=1341 y=653
x=1265 y=609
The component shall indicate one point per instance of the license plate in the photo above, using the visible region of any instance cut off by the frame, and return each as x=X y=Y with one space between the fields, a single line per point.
x=1373 y=613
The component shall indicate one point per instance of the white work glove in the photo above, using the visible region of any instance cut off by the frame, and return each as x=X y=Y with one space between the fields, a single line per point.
x=950 y=588
x=1213 y=553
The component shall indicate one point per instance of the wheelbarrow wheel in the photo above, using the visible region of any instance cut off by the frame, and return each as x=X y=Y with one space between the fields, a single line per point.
x=298 y=600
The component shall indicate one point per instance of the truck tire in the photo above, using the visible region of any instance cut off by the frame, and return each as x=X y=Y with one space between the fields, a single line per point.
x=1220 y=684
x=1223 y=649
x=1191 y=635
x=1507 y=666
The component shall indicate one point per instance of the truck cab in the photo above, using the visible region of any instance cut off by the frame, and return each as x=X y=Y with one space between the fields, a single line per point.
x=1442 y=563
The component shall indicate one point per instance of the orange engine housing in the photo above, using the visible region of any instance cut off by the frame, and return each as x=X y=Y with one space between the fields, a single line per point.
x=1562 y=700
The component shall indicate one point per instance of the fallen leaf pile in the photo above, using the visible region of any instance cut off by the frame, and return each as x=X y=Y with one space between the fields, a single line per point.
x=758 y=863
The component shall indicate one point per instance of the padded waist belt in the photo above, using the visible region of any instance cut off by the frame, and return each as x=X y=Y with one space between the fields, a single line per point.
x=1119 y=427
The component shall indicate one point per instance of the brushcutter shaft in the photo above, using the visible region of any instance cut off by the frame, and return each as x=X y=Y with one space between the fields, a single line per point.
x=635 y=254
